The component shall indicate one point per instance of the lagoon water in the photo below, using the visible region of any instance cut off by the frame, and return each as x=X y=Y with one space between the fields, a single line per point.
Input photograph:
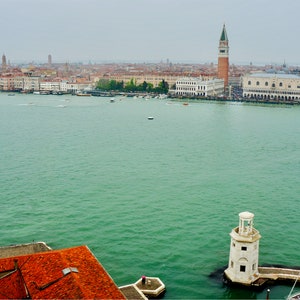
x=151 y=197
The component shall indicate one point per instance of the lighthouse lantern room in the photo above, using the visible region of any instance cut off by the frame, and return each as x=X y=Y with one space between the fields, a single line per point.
x=244 y=251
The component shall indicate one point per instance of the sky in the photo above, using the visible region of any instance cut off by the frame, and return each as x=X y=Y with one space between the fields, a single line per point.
x=180 y=31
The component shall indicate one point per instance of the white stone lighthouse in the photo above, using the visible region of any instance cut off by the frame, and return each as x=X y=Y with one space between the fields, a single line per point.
x=244 y=251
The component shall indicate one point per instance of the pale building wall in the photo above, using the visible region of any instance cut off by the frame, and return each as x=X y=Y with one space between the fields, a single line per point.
x=191 y=86
x=271 y=86
x=50 y=86
x=6 y=83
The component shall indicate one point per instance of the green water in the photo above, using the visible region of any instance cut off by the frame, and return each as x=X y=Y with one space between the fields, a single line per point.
x=151 y=197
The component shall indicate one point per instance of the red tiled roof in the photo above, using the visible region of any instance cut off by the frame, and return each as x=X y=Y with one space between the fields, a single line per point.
x=42 y=274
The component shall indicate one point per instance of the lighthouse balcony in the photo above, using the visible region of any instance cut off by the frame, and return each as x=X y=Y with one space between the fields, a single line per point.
x=247 y=235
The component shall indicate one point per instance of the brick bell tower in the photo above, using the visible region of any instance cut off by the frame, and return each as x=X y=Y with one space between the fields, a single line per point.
x=223 y=58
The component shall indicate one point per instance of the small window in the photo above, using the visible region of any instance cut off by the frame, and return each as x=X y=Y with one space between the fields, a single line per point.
x=273 y=85
x=244 y=248
x=231 y=264
x=266 y=83
x=280 y=83
x=242 y=268
x=249 y=82
x=257 y=82
x=289 y=86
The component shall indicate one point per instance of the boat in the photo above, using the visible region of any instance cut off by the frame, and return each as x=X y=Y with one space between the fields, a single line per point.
x=150 y=118
x=163 y=96
x=83 y=94
x=11 y=94
x=112 y=100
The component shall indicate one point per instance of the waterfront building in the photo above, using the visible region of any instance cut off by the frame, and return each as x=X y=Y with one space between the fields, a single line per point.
x=50 y=85
x=199 y=87
x=223 y=57
x=244 y=251
x=271 y=86
x=139 y=78
x=31 y=83
x=6 y=83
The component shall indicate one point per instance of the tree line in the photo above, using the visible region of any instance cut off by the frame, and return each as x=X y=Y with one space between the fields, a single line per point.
x=132 y=86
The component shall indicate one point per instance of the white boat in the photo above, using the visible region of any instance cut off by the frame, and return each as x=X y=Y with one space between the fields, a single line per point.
x=163 y=96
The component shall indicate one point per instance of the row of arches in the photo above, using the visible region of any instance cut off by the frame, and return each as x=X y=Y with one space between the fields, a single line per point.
x=270 y=97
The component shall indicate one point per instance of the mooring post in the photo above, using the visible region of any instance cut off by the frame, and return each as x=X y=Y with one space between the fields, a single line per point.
x=268 y=294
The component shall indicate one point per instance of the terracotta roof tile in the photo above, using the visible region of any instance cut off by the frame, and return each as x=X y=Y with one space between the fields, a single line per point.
x=43 y=276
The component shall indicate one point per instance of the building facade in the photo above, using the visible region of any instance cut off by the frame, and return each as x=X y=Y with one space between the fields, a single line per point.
x=271 y=86
x=223 y=57
x=152 y=78
x=197 y=87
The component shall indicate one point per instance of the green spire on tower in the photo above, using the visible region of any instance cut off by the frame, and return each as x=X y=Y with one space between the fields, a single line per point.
x=224 y=34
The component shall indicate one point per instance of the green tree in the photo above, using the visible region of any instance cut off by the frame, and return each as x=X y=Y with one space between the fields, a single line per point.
x=131 y=86
x=103 y=84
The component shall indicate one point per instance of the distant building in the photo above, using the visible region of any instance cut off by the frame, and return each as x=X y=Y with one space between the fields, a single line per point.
x=271 y=86
x=6 y=83
x=149 y=77
x=197 y=87
x=223 y=57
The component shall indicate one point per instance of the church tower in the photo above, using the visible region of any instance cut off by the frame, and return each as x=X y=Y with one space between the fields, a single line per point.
x=223 y=57
x=244 y=252
x=4 y=65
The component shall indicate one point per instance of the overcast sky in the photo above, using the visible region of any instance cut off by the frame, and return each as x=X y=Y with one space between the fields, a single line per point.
x=259 y=31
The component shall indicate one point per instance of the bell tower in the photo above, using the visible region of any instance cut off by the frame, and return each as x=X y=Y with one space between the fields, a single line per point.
x=244 y=251
x=223 y=57
x=4 y=65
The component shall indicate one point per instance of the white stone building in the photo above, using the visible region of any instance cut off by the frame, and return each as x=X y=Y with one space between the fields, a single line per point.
x=30 y=83
x=196 y=86
x=6 y=83
x=271 y=86
x=53 y=86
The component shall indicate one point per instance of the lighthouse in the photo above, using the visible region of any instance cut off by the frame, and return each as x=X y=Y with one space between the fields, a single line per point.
x=244 y=252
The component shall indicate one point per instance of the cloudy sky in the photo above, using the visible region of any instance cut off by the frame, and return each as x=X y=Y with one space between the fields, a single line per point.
x=259 y=31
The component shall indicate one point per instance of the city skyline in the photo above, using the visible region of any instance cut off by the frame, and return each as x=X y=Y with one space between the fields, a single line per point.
x=259 y=31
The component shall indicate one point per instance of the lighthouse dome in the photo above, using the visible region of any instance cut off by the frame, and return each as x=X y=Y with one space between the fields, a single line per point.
x=246 y=215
